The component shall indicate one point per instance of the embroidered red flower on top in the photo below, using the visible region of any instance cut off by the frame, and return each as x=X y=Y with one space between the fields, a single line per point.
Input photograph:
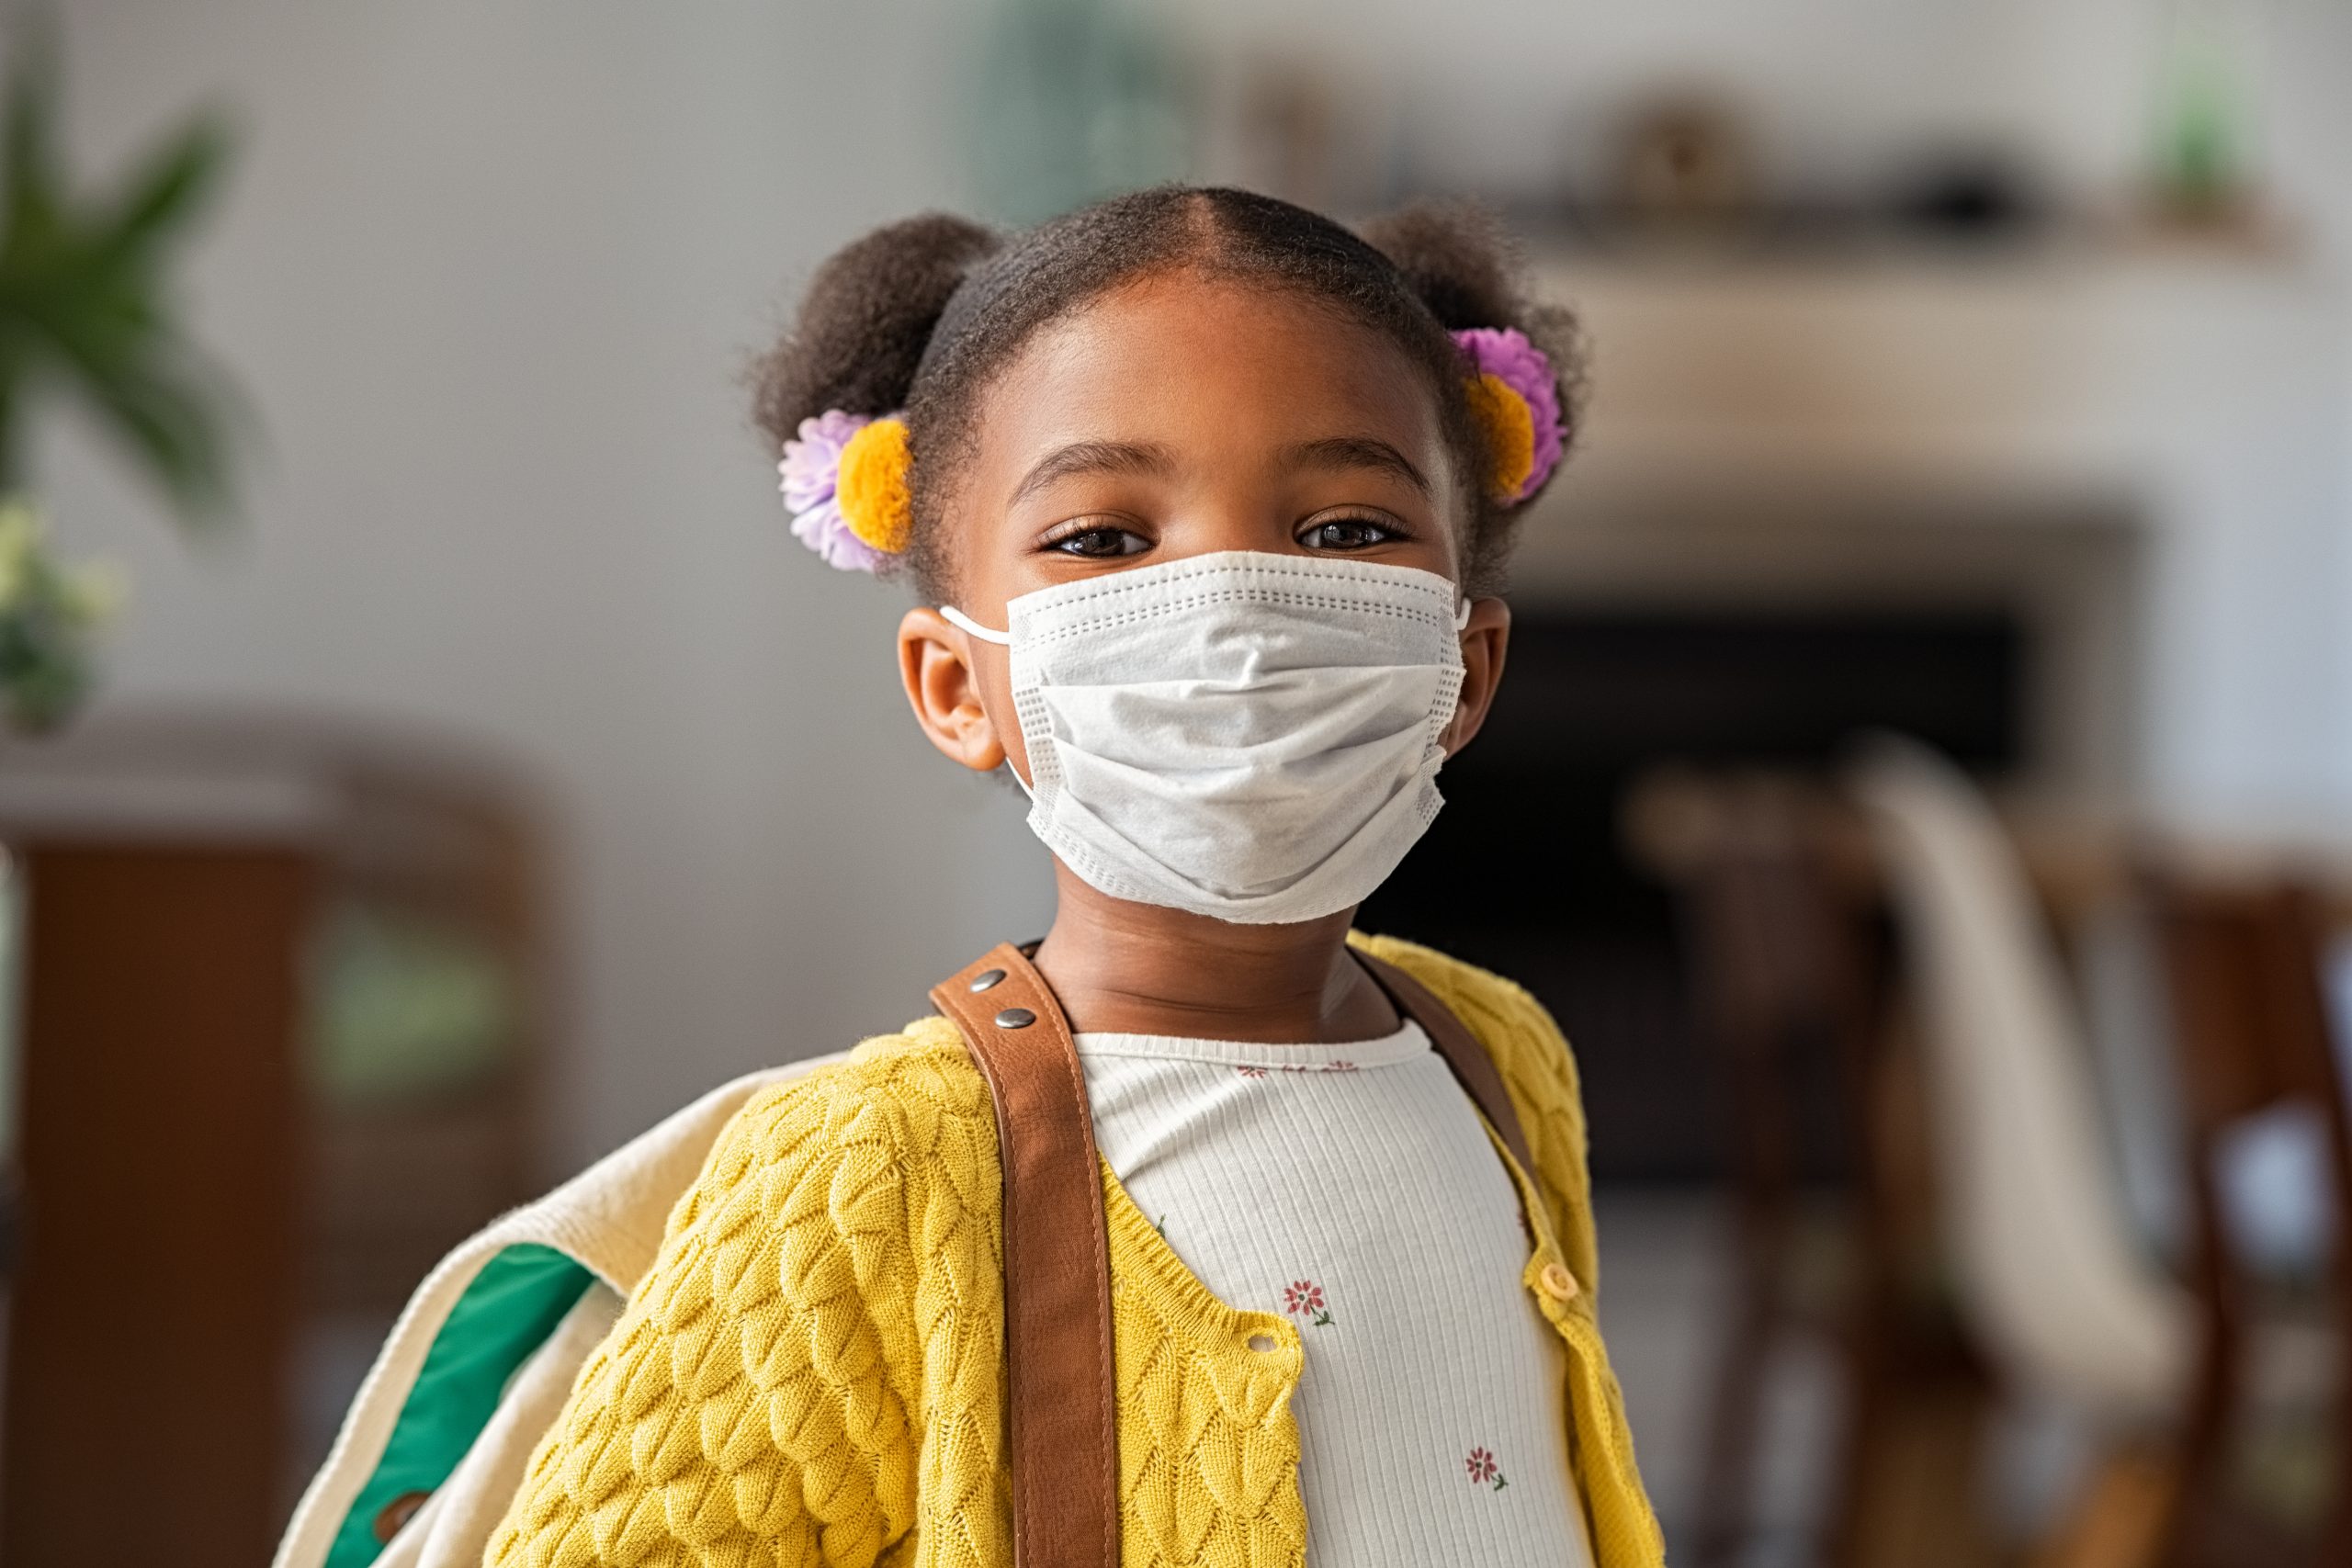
x=1484 y=1470
x=1305 y=1296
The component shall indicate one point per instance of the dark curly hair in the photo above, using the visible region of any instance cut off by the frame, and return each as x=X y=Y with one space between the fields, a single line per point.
x=922 y=315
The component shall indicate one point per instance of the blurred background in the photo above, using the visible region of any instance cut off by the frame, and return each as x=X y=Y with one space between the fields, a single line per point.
x=430 y=760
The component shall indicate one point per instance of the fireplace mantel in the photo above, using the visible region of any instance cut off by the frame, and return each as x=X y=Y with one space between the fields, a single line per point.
x=2166 y=429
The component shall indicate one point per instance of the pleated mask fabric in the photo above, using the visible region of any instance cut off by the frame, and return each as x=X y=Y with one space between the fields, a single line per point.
x=1247 y=735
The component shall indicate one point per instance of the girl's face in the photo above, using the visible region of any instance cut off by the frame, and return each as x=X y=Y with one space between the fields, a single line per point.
x=1180 y=417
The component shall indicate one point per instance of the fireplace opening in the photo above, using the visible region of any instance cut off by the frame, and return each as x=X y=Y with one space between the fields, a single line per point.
x=1525 y=872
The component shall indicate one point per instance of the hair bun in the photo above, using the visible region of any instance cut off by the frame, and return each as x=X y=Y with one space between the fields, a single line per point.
x=1456 y=258
x=864 y=321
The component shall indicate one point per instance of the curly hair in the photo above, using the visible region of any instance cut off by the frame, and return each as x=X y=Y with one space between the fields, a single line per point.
x=921 y=315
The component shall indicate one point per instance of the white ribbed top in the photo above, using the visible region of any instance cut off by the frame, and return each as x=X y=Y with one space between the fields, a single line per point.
x=1354 y=1188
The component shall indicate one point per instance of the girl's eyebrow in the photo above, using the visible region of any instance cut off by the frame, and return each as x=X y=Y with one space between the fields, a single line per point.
x=1356 y=452
x=1144 y=457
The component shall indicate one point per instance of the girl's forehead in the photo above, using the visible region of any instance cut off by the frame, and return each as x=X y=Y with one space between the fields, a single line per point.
x=1221 y=360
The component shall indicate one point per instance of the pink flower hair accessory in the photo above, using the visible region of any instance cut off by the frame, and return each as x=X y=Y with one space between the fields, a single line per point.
x=1506 y=354
x=845 y=479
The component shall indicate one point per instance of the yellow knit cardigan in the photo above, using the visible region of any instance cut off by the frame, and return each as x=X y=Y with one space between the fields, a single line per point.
x=813 y=1372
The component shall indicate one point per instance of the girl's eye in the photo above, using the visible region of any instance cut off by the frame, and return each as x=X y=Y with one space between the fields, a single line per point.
x=1101 y=543
x=1347 y=534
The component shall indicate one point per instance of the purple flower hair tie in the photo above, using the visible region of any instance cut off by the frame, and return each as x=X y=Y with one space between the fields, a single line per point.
x=810 y=471
x=1506 y=353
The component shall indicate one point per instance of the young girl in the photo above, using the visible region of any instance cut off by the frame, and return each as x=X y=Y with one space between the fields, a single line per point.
x=1205 y=501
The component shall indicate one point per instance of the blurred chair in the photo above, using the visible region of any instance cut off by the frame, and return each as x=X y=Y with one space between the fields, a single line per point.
x=1784 y=936
x=2048 y=1272
x=2244 y=961
x=1781 y=885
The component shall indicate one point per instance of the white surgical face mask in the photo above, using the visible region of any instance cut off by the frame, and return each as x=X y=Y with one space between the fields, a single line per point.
x=1247 y=735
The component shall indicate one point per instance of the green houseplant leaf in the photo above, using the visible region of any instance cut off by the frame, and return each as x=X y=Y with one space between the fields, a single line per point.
x=85 y=305
x=86 y=311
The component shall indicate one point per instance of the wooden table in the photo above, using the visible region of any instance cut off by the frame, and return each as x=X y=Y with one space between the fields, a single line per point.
x=187 y=1191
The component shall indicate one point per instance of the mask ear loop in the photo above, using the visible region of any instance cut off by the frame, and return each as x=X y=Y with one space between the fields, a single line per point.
x=956 y=617
x=1460 y=619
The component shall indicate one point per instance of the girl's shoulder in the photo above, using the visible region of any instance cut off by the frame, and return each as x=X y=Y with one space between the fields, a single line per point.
x=898 y=1102
x=900 y=1088
x=1515 y=1028
x=923 y=1067
x=1537 y=1067
x=910 y=1109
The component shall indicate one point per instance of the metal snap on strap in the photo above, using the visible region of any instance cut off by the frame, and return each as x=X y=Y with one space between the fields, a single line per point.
x=985 y=978
x=1015 y=1018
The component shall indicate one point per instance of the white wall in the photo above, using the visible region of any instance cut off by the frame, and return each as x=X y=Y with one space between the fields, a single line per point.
x=489 y=268
x=491 y=272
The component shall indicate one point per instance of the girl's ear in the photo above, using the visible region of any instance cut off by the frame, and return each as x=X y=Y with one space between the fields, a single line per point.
x=934 y=663
x=1484 y=641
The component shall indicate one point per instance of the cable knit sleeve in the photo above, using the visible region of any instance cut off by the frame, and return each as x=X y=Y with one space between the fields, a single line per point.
x=811 y=1348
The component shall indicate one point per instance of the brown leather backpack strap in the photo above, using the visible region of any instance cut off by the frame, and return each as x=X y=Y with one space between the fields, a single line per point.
x=1062 y=1415
x=1472 y=1067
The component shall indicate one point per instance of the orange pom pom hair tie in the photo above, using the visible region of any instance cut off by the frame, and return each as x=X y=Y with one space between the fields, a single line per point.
x=874 y=490
x=847 y=480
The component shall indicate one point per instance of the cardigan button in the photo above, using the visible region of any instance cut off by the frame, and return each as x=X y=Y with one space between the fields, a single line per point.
x=1262 y=1343
x=985 y=978
x=1557 y=1282
x=1015 y=1018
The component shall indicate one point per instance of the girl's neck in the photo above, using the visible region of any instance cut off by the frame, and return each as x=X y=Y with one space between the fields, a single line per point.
x=1127 y=968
